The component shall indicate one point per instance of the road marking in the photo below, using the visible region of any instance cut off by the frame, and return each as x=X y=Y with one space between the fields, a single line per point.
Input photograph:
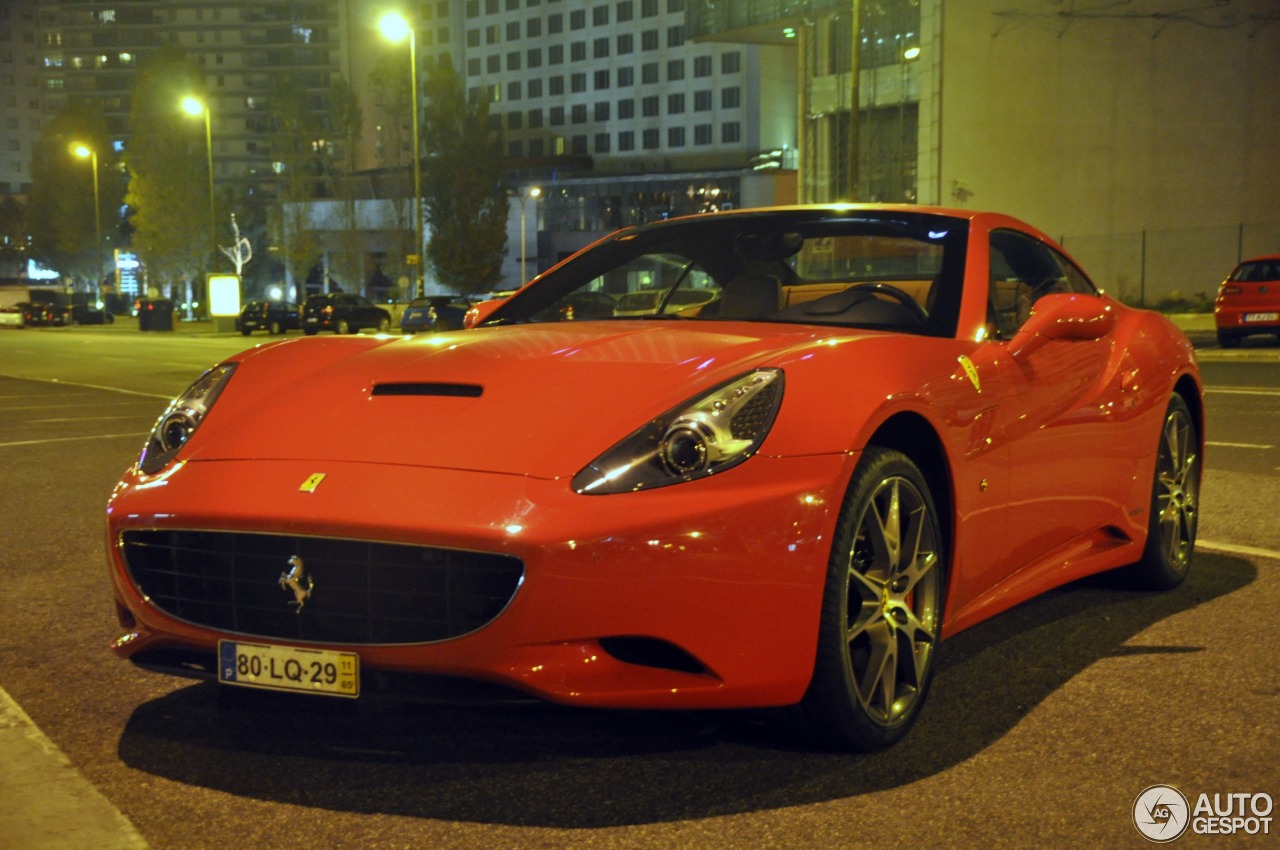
x=87 y=386
x=1242 y=391
x=1233 y=549
x=76 y=405
x=87 y=418
x=1238 y=445
x=133 y=435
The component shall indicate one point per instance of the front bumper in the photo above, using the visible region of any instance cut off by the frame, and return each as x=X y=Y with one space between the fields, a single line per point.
x=698 y=595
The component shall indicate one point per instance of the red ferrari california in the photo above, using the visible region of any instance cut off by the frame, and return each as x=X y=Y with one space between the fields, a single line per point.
x=761 y=458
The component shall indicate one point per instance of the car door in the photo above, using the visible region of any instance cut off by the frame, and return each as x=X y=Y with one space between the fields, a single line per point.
x=1064 y=470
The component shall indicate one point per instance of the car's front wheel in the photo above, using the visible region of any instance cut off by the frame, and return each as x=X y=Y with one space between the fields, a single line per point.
x=344 y=327
x=384 y=325
x=881 y=610
x=1175 y=504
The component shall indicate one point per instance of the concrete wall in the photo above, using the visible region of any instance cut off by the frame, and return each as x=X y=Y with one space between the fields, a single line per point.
x=1144 y=134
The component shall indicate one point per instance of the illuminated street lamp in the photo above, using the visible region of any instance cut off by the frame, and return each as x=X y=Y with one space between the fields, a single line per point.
x=395 y=28
x=533 y=192
x=84 y=151
x=195 y=108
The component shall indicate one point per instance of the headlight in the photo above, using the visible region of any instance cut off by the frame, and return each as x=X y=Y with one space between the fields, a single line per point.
x=180 y=420
x=704 y=436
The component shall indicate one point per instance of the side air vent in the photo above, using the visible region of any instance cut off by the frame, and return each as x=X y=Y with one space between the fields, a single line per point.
x=429 y=389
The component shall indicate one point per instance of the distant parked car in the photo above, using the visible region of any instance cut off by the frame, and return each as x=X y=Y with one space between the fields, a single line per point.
x=88 y=314
x=342 y=313
x=1248 y=301
x=434 y=313
x=12 y=316
x=34 y=314
x=274 y=317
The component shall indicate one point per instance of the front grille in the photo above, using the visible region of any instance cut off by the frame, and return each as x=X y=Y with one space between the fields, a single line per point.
x=361 y=592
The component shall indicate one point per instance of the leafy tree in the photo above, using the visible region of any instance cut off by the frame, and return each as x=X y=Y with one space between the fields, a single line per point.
x=168 y=171
x=13 y=234
x=60 y=206
x=294 y=133
x=392 y=115
x=464 y=185
x=346 y=251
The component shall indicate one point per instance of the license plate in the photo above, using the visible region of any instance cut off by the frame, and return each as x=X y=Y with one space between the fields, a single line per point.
x=1261 y=317
x=289 y=668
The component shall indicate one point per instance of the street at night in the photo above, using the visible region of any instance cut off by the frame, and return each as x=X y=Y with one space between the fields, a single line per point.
x=1044 y=725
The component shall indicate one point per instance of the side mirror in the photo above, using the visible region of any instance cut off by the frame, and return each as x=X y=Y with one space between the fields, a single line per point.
x=1068 y=316
x=480 y=312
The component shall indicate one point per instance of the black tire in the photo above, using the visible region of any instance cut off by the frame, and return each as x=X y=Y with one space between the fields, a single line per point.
x=310 y=331
x=345 y=327
x=1175 y=504
x=245 y=331
x=275 y=329
x=1226 y=340
x=881 y=611
x=384 y=325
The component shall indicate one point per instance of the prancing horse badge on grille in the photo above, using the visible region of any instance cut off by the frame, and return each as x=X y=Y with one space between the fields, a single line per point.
x=298 y=581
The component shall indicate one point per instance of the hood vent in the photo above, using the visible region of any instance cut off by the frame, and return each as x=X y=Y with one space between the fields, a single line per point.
x=421 y=388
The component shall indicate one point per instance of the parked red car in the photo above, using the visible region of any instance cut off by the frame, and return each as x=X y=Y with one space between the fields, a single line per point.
x=1248 y=301
x=874 y=427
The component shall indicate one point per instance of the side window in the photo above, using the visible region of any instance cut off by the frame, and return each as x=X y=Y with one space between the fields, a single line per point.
x=1023 y=270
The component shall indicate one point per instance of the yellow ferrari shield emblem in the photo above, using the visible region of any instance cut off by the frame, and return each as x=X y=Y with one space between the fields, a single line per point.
x=971 y=372
x=312 y=482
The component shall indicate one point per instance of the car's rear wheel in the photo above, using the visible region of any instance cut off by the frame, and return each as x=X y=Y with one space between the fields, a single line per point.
x=384 y=325
x=275 y=329
x=1175 y=503
x=344 y=327
x=881 y=610
x=1228 y=340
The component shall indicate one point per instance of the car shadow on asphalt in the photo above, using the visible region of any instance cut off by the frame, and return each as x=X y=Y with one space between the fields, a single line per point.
x=534 y=764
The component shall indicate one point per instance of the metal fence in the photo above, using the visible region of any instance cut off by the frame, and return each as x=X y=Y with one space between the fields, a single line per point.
x=1170 y=268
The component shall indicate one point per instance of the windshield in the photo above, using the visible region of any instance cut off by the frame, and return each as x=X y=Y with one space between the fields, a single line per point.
x=882 y=269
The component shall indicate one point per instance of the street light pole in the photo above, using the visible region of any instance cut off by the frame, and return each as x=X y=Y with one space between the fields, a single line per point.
x=86 y=151
x=535 y=193
x=194 y=107
x=394 y=27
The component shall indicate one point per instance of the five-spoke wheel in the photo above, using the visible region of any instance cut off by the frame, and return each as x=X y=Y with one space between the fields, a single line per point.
x=882 y=609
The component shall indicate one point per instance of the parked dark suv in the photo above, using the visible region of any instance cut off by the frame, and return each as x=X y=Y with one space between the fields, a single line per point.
x=275 y=317
x=343 y=313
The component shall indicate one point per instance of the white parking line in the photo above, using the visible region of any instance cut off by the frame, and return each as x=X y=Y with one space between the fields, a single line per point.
x=1238 y=445
x=86 y=386
x=133 y=435
x=1242 y=391
x=89 y=418
x=1233 y=549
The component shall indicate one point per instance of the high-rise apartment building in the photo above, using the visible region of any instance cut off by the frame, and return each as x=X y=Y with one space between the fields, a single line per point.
x=20 y=112
x=91 y=48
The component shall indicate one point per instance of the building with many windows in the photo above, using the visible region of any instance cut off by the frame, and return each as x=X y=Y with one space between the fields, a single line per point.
x=1144 y=138
x=20 y=111
x=90 y=49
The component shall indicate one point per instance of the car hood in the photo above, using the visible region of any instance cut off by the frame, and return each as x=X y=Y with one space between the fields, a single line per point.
x=541 y=400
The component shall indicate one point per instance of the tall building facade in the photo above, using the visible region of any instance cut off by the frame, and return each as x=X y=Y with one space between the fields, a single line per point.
x=20 y=109
x=90 y=49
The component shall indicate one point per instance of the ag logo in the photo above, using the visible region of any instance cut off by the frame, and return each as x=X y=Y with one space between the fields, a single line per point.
x=1161 y=813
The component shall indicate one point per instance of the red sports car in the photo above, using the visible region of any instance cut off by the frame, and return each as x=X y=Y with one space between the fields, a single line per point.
x=838 y=435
